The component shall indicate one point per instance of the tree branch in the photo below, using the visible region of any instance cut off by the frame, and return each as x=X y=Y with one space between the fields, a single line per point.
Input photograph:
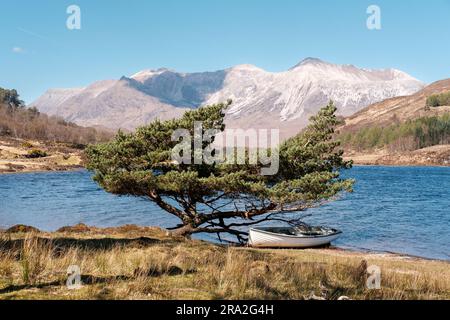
x=167 y=207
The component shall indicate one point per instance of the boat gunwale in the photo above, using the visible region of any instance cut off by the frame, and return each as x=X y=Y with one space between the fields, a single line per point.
x=297 y=237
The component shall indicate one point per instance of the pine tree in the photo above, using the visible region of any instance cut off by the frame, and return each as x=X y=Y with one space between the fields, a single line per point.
x=223 y=198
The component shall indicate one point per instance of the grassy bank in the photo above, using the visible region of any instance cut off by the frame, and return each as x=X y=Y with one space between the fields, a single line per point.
x=147 y=263
x=18 y=155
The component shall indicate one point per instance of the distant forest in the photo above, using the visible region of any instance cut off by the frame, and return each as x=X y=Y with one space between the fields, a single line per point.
x=17 y=121
x=410 y=135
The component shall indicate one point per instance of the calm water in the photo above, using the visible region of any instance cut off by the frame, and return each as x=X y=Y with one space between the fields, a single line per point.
x=404 y=210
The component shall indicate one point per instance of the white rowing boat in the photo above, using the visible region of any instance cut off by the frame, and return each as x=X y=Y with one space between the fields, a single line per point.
x=291 y=237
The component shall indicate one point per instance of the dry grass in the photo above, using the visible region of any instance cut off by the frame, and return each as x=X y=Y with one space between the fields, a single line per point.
x=145 y=263
x=15 y=156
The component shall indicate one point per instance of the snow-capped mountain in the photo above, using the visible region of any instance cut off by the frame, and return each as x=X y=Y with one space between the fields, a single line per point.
x=261 y=99
x=112 y=103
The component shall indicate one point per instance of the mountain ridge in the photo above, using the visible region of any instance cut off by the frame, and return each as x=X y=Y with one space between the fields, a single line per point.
x=261 y=98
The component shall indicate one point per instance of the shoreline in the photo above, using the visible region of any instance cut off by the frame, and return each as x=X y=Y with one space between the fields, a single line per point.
x=391 y=165
x=148 y=263
x=61 y=158
x=356 y=164
x=437 y=155
x=84 y=230
x=28 y=156
x=400 y=165
x=61 y=170
x=390 y=253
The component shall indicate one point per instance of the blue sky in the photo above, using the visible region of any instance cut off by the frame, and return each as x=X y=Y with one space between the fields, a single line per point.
x=118 y=38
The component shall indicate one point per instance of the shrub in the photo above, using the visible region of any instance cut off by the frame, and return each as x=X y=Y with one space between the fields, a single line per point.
x=437 y=100
x=27 y=145
x=36 y=153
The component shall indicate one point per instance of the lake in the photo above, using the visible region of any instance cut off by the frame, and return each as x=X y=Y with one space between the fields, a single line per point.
x=393 y=209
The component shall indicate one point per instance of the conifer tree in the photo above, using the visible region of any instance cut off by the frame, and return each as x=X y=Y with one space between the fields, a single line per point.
x=223 y=198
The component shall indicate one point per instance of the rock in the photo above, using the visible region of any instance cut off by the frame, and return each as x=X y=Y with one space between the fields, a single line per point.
x=312 y=296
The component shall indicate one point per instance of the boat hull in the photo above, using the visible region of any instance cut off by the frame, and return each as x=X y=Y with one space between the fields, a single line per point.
x=265 y=239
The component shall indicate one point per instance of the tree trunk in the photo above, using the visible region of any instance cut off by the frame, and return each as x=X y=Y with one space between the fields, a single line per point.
x=184 y=231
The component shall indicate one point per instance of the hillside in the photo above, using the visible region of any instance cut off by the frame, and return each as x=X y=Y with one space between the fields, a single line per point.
x=261 y=99
x=33 y=141
x=399 y=109
x=25 y=123
x=401 y=131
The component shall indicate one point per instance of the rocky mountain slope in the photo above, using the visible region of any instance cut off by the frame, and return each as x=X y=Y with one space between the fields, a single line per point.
x=385 y=118
x=262 y=99
x=399 y=109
